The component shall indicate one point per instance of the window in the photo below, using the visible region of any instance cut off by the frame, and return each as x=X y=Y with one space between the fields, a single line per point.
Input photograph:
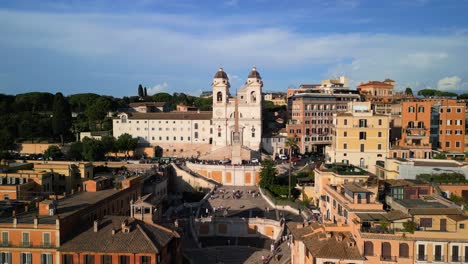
x=67 y=259
x=345 y=134
x=89 y=259
x=25 y=241
x=345 y=146
x=379 y=134
x=106 y=259
x=124 y=259
x=5 y=240
x=411 y=109
x=219 y=97
x=196 y=135
x=362 y=147
x=380 y=122
x=447 y=144
x=253 y=134
x=145 y=260
x=449 y=110
x=462 y=226
x=346 y=122
x=25 y=258
x=421 y=109
x=449 y=122
x=362 y=123
x=458 y=110
x=458 y=122
x=425 y=222
x=404 y=250
x=368 y=248
x=46 y=239
x=5 y=258
x=46 y=258
x=362 y=135
x=455 y=254
x=448 y=132
x=167 y=138
x=379 y=146
x=196 y=126
x=457 y=144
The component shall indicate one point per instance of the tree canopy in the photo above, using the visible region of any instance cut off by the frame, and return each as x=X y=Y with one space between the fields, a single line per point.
x=53 y=152
x=61 y=117
x=126 y=143
x=432 y=92
x=409 y=91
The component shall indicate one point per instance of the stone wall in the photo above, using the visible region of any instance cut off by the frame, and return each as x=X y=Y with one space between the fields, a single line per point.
x=228 y=174
x=238 y=227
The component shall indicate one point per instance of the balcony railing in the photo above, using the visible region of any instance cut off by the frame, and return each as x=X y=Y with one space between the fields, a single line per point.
x=438 y=258
x=422 y=258
x=5 y=243
x=455 y=259
x=389 y=258
x=25 y=244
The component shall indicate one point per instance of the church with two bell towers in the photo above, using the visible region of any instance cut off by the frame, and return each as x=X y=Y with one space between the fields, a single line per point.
x=237 y=120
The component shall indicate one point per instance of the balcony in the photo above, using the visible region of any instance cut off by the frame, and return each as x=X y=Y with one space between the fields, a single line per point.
x=415 y=133
x=438 y=258
x=389 y=258
x=455 y=259
x=45 y=245
x=5 y=244
x=421 y=257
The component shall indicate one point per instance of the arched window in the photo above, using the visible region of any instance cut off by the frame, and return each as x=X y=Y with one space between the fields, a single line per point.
x=420 y=124
x=196 y=126
x=386 y=250
x=309 y=107
x=410 y=124
x=404 y=250
x=219 y=97
x=123 y=119
x=253 y=97
x=368 y=248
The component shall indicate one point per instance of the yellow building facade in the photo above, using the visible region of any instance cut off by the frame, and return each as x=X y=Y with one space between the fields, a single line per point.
x=360 y=137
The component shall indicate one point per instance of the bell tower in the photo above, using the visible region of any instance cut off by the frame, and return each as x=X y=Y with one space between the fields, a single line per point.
x=221 y=87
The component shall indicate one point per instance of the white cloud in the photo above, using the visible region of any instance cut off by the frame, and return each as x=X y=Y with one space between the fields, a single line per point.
x=158 y=88
x=173 y=43
x=449 y=83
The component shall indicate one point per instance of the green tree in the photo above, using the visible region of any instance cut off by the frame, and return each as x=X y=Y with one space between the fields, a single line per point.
x=409 y=91
x=140 y=91
x=53 y=152
x=76 y=151
x=268 y=173
x=109 y=144
x=61 y=119
x=463 y=96
x=409 y=226
x=80 y=102
x=97 y=112
x=162 y=97
x=291 y=145
x=126 y=143
x=7 y=140
x=145 y=92
x=92 y=149
x=427 y=92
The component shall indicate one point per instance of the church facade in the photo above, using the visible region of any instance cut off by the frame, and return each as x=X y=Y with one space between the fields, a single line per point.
x=249 y=107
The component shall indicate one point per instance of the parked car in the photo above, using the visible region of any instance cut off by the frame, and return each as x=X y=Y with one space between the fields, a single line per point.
x=254 y=160
x=283 y=157
x=222 y=162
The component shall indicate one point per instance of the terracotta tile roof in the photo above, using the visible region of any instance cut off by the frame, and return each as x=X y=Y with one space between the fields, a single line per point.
x=434 y=211
x=335 y=245
x=156 y=104
x=376 y=83
x=458 y=218
x=203 y=115
x=142 y=238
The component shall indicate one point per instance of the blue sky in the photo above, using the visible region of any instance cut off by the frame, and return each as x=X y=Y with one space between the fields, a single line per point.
x=110 y=46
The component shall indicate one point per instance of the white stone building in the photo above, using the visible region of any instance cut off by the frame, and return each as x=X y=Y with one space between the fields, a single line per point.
x=191 y=133
x=249 y=100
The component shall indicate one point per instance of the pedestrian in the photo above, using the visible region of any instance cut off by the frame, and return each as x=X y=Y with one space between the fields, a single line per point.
x=272 y=248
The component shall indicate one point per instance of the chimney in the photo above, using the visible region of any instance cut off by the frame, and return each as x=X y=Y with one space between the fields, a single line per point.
x=95 y=226
x=15 y=221
x=36 y=221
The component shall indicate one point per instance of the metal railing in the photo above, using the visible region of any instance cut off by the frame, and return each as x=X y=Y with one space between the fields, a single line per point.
x=25 y=244
x=455 y=259
x=421 y=257
x=439 y=258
